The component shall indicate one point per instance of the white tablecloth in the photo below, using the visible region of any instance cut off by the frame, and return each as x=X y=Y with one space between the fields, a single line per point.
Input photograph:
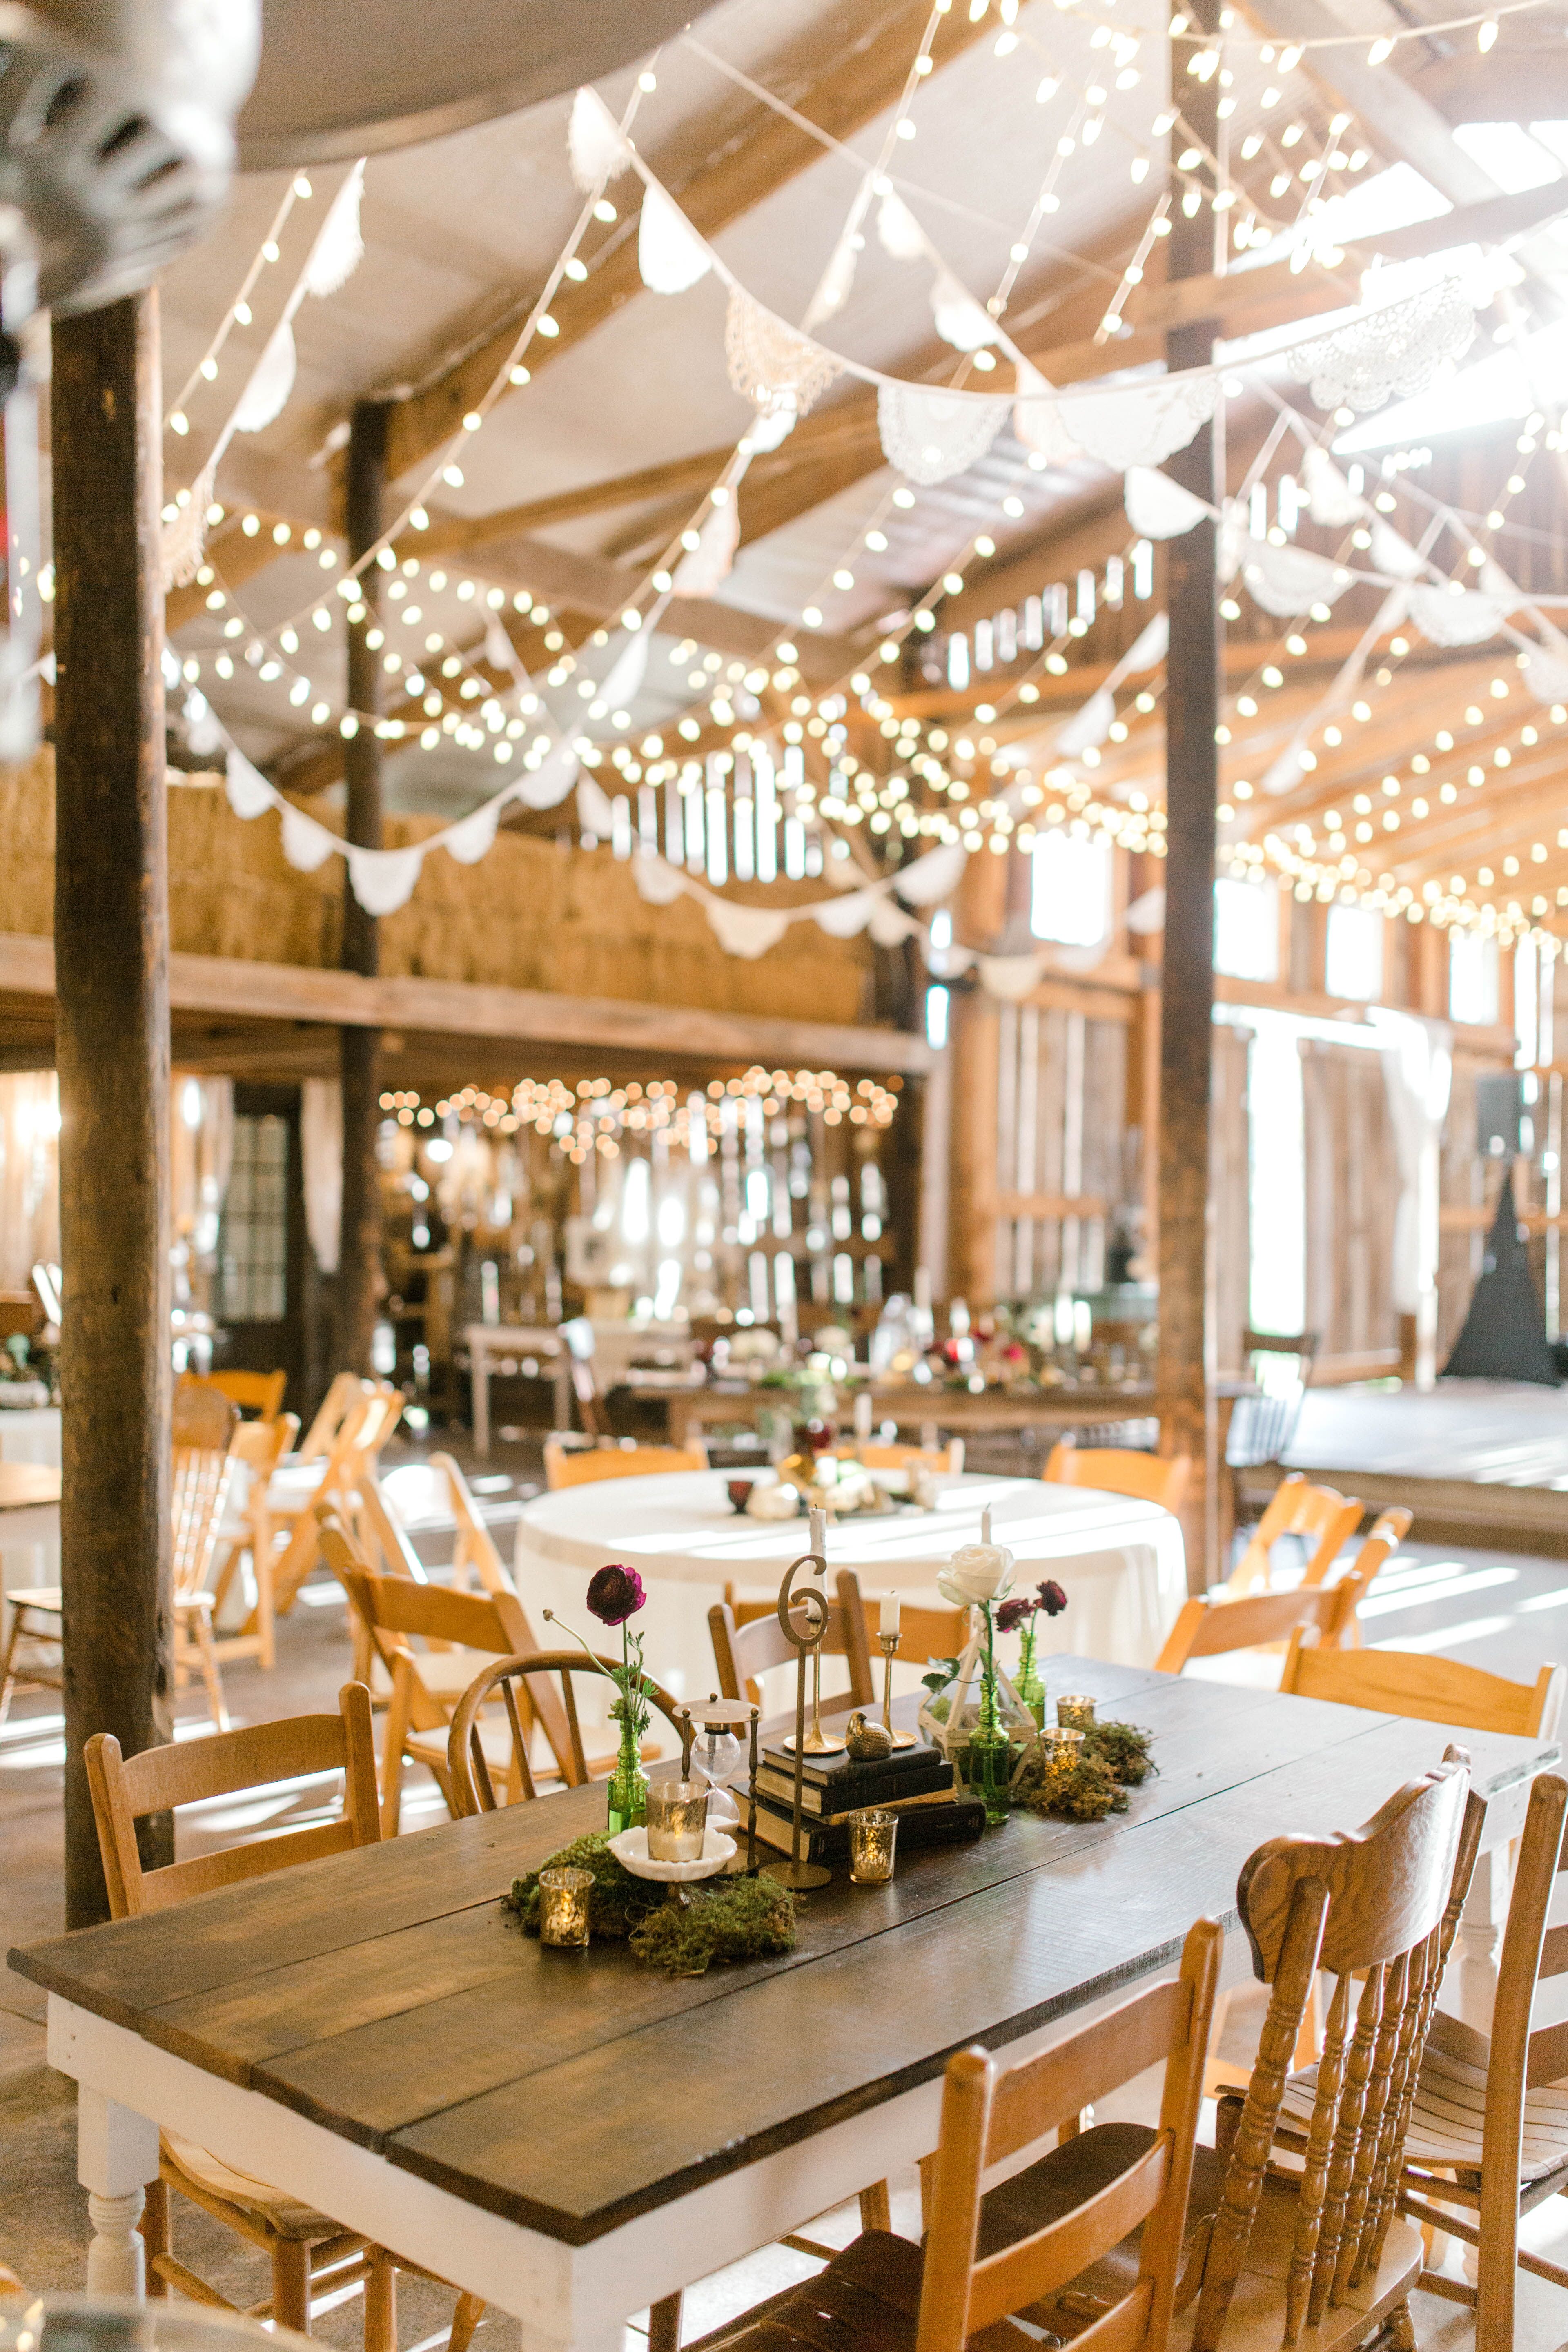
x=1120 y=1563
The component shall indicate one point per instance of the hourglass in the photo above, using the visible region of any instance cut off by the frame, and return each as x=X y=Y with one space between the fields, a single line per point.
x=710 y=1733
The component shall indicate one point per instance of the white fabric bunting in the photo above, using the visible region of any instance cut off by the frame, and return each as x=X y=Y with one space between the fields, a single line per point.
x=900 y=234
x=473 y=837
x=747 y=932
x=594 y=144
x=932 y=878
x=595 y=813
x=932 y=436
x=340 y=248
x=888 y=923
x=627 y=672
x=1140 y=424
x=1390 y=352
x=547 y=785
x=306 y=844
x=1148 y=648
x=702 y=567
x=1286 y=580
x=1455 y=615
x=249 y=794
x=671 y=255
x=1011 y=978
x=1330 y=500
x=384 y=879
x=1036 y=420
x=961 y=321
x=1393 y=555
x=1157 y=506
x=659 y=883
x=1545 y=668
x=844 y=919
x=271 y=381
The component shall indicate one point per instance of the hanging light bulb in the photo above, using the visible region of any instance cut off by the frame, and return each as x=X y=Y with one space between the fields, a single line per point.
x=1487 y=35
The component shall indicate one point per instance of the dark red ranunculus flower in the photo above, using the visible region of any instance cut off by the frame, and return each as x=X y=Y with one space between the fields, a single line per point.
x=616 y=1593
x=1053 y=1600
x=1012 y=1613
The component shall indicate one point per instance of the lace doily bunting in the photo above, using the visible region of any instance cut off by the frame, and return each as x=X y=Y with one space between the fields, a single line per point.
x=1142 y=423
x=1157 y=506
x=1284 y=580
x=1455 y=616
x=1392 y=352
x=772 y=365
x=932 y=436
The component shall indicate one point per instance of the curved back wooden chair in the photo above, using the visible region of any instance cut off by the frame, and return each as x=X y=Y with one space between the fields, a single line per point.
x=467 y=1765
x=990 y=2255
x=257 y=1446
x=310 y=2254
x=474 y=1553
x=1428 y=1690
x=1117 y=1470
x=1322 y=1515
x=1488 y=2129
x=580 y=1465
x=1211 y=1626
x=743 y=1651
x=258 y=1392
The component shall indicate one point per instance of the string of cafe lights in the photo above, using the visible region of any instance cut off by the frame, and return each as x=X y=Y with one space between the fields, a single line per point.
x=596 y=1115
x=239 y=313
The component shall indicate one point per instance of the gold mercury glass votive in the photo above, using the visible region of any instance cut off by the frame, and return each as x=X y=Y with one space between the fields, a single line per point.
x=872 y=1836
x=677 y=1816
x=564 y=1895
x=1063 y=1747
x=1076 y=1713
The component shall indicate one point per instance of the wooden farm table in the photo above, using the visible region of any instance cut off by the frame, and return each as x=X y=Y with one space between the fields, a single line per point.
x=693 y=1411
x=571 y=2136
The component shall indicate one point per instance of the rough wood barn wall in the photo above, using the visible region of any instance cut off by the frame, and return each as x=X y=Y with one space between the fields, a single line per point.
x=531 y=913
x=1351 y=1200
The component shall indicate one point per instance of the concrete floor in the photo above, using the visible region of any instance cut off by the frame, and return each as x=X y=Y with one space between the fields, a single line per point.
x=1491 y=1609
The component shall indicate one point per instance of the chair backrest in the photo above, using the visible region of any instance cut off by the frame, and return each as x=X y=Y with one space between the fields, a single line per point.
x=1428 y=1690
x=742 y=1653
x=1117 y=1470
x=346 y=1390
x=580 y=1465
x=124 y=1788
x=257 y=1392
x=1303 y=1344
x=198 y=1497
x=1208 y=1626
x=942 y=1461
x=1518 y=2060
x=475 y=1548
x=991 y=2111
x=528 y=1676
x=1376 y=1908
x=202 y=1417
x=1388 y=1531
x=382 y=1538
x=261 y=1446
x=1324 y=1516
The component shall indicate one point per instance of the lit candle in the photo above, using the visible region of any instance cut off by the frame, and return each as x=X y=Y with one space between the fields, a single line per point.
x=862 y=1415
x=888 y=1616
x=819 y=1522
x=985 y=1525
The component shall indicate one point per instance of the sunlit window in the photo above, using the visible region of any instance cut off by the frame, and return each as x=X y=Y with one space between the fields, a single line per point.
x=1472 y=977
x=1247 y=929
x=1353 y=964
x=1070 y=897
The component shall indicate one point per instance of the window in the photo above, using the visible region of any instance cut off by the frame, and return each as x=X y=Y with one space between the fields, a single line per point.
x=1070 y=896
x=1472 y=977
x=1353 y=963
x=252 y=1247
x=1247 y=929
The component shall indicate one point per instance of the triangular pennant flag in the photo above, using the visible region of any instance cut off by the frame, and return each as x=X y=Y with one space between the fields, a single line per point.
x=932 y=878
x=1158 y=506
x=271 y=381
x=249 y=794
x=900 y=233
x=340 y=248
x=384 y=879
x=595 y=813
x=702 y=567
x=1089 y=726
x=473 y=836
x=961 y=321
x=1037 y=419
x=671 y=255
x=306 y=844
x=594 y=144
x=659 y=883
x=748 y=931
x=547 y=785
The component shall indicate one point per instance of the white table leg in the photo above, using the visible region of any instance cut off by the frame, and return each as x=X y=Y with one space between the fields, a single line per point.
x=1480 y=1936
x=479 y=1377
x=117 y=2155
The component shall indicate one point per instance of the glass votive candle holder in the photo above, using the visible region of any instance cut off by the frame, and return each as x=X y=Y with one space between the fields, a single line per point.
x=1075 y=1713
x=563 y=1897
x=872 y=1836
x=1063 y=1747
x=676 y=1814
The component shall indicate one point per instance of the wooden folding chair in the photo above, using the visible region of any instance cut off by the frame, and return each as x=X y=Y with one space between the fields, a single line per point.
x=1388 y=1531
x=311 y=2256
x=1118 y=1470
x=994 y=2254
x=257 y=1446
x=942 y=1461
x=345 y=1392
x=261 y=1393
x=1211 y=1626
x=474 y=1553
x=1428 y=1690
x=580 y=1465
x=363 y=1430
x=1325 y=1518
x=743 y=1651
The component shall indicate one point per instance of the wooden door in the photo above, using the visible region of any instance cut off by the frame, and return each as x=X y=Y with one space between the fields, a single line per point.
x=1351 y=1188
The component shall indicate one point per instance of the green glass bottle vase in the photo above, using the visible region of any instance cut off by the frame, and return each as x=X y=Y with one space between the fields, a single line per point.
x=627 y=1785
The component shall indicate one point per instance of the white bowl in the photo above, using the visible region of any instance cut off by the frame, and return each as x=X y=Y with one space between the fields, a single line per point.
x=630 y=1850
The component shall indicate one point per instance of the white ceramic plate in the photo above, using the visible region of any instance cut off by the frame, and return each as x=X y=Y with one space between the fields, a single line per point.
x=630 y=1850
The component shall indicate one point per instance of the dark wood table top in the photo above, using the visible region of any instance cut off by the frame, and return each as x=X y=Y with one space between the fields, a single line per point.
x=386 y=1995
x=26 y=1485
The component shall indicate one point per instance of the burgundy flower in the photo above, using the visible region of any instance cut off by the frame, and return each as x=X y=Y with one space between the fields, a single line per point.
x=1012 y=1613
x=1053 y=1600
x=616 y=1593
x=813 y=1436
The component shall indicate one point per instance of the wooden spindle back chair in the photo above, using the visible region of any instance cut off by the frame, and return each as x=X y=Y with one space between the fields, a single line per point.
x=526 y=1679
x=581 y=1465
x=1489 y=2131
x=1210 y=1626
x=1428 y=1690
x=743 y=1651
x=1375 y=1908
x=1322 y=1515
x=1120 y=1470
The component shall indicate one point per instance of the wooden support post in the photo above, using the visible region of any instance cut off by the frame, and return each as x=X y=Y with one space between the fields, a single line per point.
x=359 y=1050
x=1191 y=713
x=111 y=954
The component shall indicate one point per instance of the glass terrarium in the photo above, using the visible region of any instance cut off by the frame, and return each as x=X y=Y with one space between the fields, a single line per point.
x=979 y=1723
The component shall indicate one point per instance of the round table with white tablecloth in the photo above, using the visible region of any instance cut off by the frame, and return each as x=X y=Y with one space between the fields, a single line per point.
x=1120 y=1562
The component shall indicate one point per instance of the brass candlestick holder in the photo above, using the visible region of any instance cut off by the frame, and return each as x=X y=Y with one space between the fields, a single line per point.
x=804 y=1620
x=888 y=1644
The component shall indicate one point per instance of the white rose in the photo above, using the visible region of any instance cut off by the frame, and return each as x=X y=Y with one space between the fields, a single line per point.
x=976 y=1572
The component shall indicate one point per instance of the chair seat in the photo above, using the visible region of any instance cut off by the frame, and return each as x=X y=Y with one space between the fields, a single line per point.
x=866 y=2300
x=1448 y=2115
x=285 y=2214
x=447 y=1674
x=45 y=1598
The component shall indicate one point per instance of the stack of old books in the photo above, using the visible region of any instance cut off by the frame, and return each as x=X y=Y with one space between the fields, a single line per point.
x=915 y=1783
